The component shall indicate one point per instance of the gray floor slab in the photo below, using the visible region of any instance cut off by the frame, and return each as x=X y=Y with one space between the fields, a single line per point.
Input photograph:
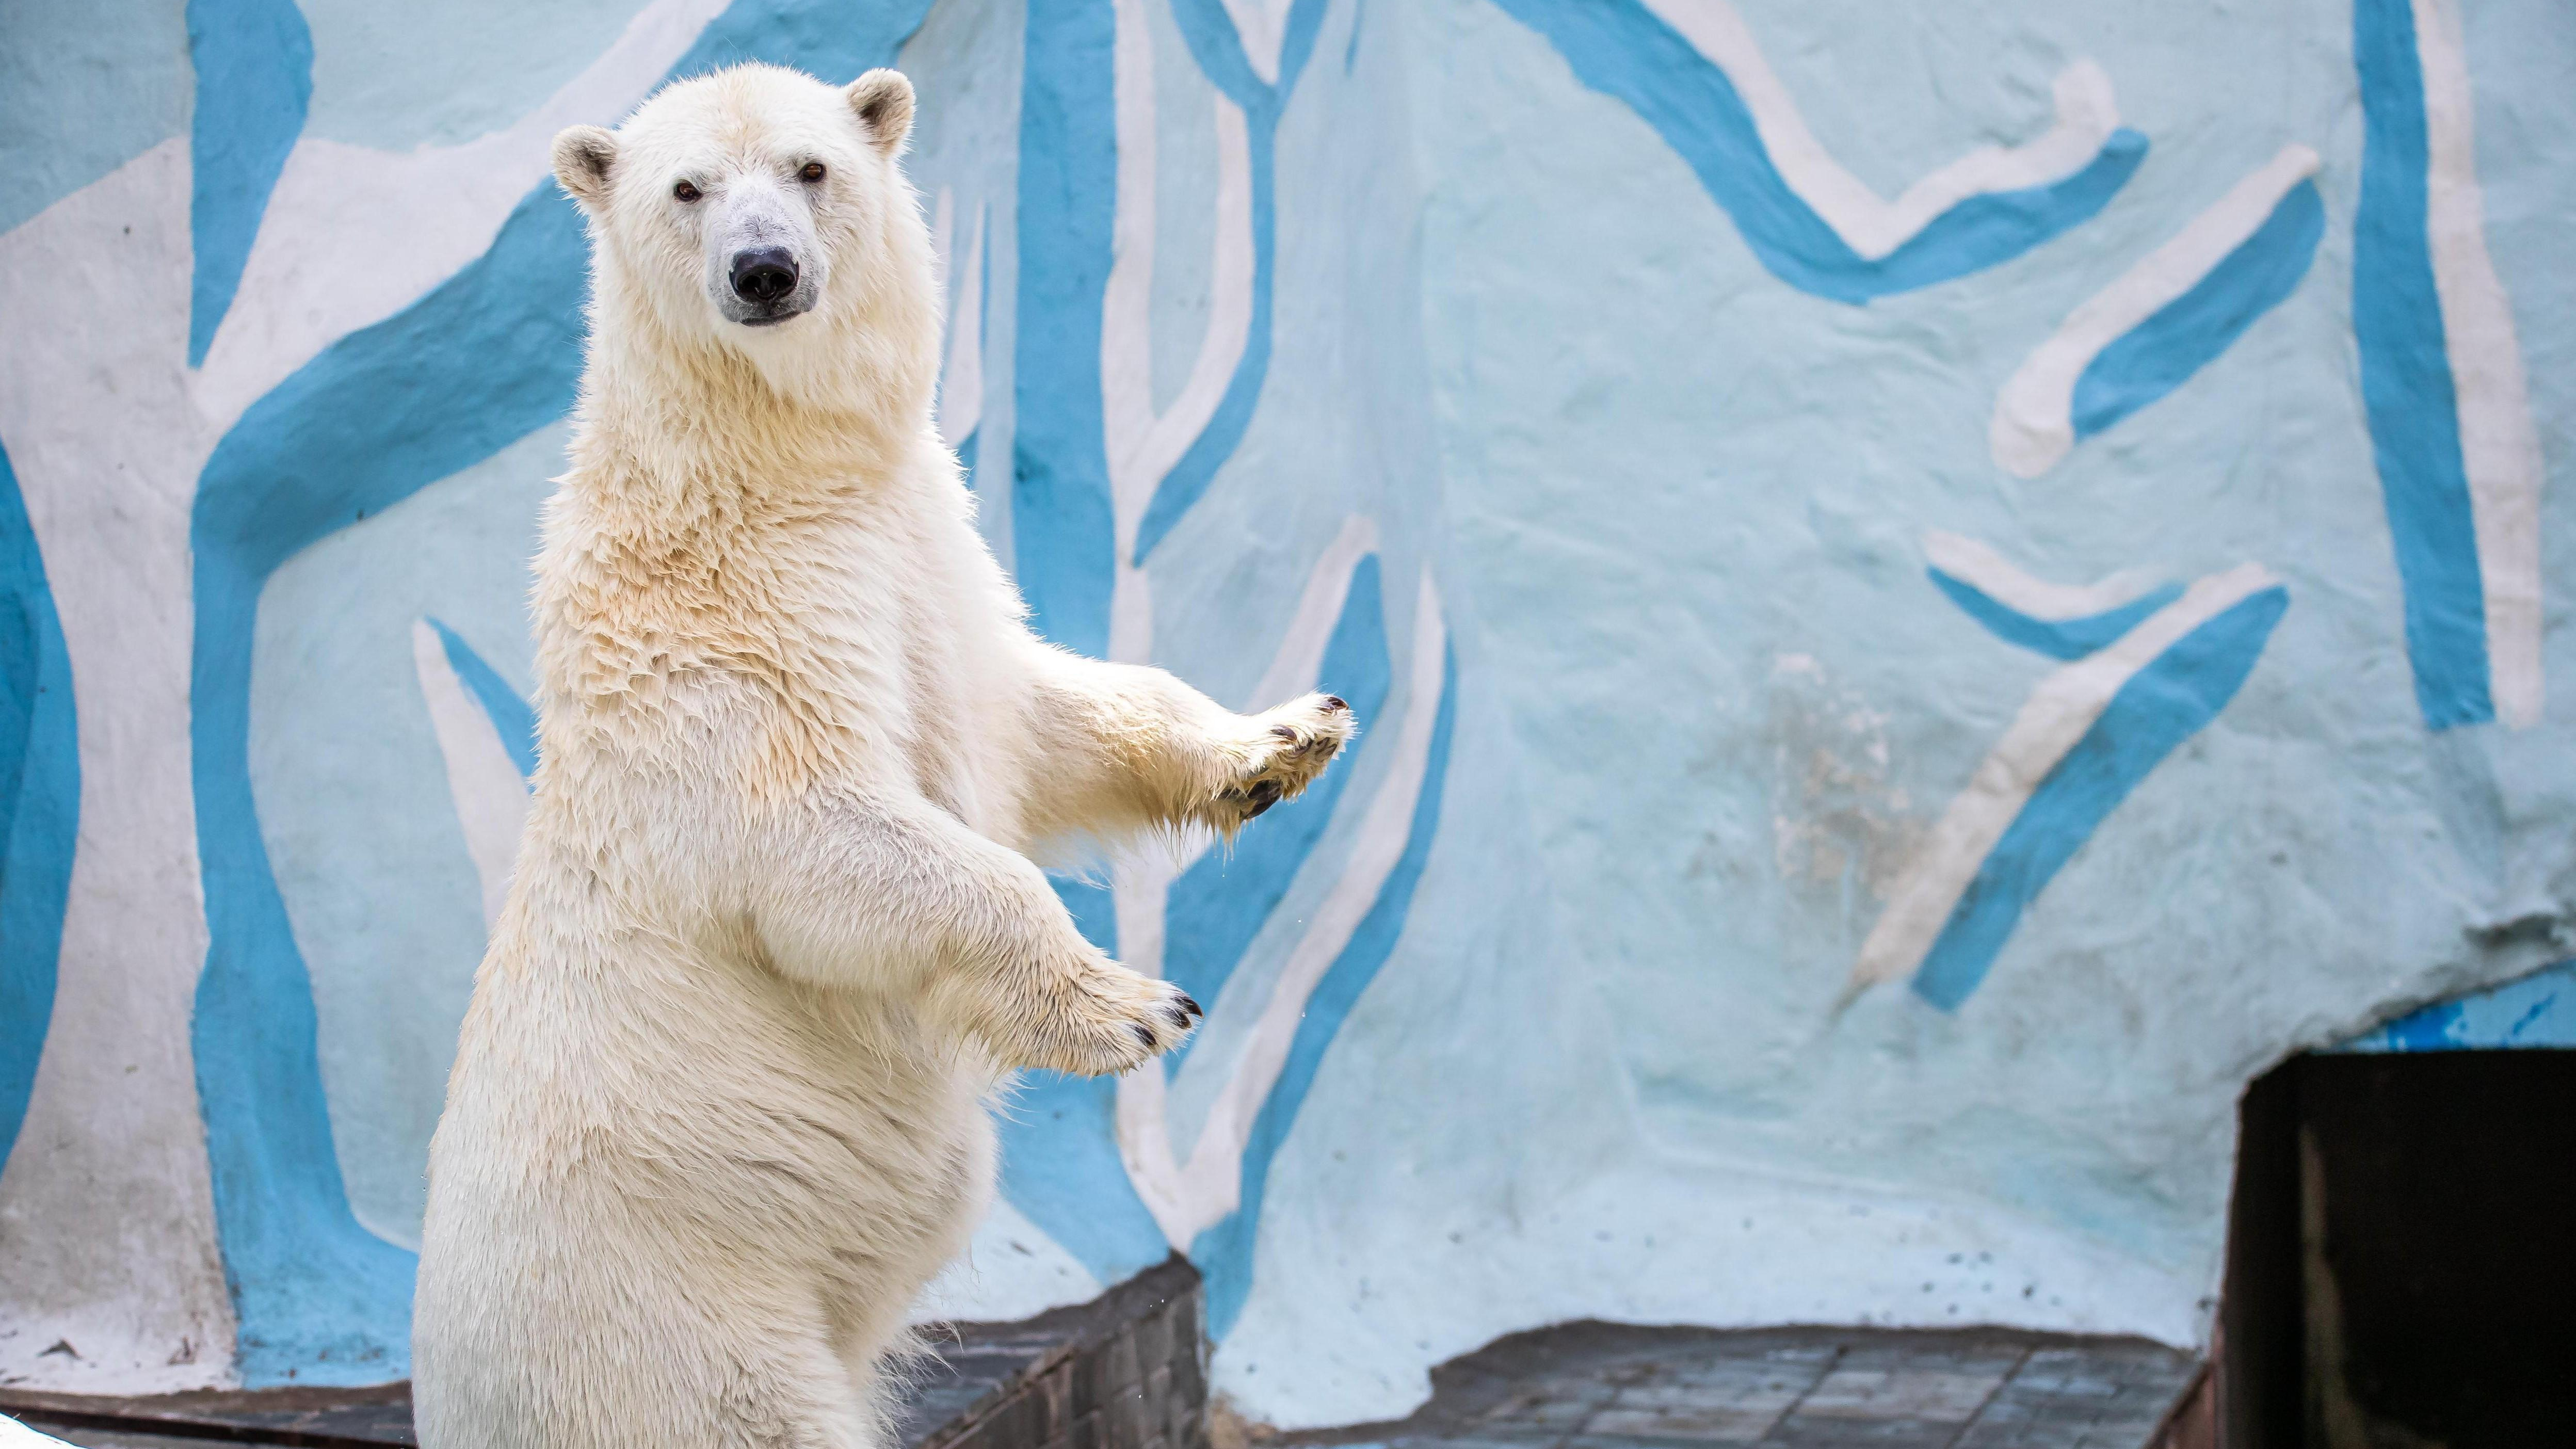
x=119 y=1439
x=1608 y=1386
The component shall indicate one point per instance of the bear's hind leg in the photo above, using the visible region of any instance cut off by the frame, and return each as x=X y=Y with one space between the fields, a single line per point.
x=674 y=1351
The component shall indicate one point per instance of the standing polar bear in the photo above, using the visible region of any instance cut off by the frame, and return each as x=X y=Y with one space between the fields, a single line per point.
x=718 y=1112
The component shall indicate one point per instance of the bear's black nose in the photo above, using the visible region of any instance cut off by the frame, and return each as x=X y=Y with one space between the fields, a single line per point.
x=763 y=274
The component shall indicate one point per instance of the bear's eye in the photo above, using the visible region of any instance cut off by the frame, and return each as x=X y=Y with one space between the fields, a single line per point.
x=812 y=171
x=685 y=192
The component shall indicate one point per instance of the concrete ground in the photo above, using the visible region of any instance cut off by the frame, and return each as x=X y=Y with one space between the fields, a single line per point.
x=1075 y=1380
x=117 y=1439
x=1604 y=1386
x=1124 y=1371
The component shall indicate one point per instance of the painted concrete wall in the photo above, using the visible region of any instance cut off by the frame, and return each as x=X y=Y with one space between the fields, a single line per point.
x=1931 y=591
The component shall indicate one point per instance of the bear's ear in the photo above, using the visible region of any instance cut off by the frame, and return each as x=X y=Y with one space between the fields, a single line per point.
x=883 y=99
x=583 y=156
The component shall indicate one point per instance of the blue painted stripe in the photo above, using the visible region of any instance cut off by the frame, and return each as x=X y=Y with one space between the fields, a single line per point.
x=1187 y=482
x=1212 y=41
x=254 y=63
x=1619 y=48
x=966 y=446
x=2536 y=1011
x=2162 y=705
x=832 y=39
x=2557 y=1009
x=2406 y=384
x=39 y=803
x=2056 y=638
x=483 y=360
x=2431 y=1029
x=1060 y=1152
x=511 y=717
x=1061 y=1169
x=1059 y=1140
x=1210 y=36
x=1224 y=1252
x=1062 y=531
x=2186 y=334
x=1219 y=904
x=1060 y=1164
x=984 y=280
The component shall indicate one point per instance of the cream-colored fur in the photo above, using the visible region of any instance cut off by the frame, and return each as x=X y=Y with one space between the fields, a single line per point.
x=718 y=1110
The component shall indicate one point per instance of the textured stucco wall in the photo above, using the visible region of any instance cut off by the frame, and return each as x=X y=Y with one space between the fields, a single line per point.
x=1931 y=592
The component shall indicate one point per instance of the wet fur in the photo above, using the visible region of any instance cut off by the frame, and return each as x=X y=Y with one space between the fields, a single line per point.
x=718 y=1107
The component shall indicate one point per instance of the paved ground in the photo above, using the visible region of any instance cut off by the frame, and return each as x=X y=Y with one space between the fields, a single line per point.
x=112 y=1439
x=1579 y=1386
x=1124 y=1371
x=1602 y=1386
x=366 y=1418
x=970 y=1370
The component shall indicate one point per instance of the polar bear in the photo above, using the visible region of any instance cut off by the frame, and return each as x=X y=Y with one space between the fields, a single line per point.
x=718 y=1107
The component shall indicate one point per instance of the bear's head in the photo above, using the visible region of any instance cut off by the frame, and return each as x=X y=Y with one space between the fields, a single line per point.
x=761 y=211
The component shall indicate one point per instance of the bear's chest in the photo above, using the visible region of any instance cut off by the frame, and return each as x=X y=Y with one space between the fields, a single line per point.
x=822 y=658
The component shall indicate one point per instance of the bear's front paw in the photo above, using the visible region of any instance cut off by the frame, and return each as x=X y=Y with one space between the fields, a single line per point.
x=1291 y=746
x=1114 y=1019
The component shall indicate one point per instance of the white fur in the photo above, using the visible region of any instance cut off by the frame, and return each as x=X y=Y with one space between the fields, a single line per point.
x=775 y=931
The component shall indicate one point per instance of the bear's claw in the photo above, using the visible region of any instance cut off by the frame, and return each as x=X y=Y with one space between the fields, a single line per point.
x=1296 y=742
x=1120 y=1020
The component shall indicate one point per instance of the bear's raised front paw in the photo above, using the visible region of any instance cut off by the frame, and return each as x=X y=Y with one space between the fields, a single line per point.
x=1294 y=744
x=1114 y=1020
